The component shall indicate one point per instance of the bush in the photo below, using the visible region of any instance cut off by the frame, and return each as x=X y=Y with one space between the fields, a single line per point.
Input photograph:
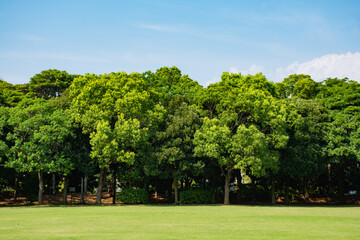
x=133 y=196
x=196 y=196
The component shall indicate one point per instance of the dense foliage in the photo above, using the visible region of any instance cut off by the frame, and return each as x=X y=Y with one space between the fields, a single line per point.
x=165 y=134
x=195 y=196
x=133 y=196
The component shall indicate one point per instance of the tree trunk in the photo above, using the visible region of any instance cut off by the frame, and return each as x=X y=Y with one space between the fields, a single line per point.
x=253 y=190
x=156 y=189
x=341 y=181
x=227 y=188
x=65 y=190
x=101 y=185
x=187 y=183
x=286 y=191
x=82 y=190
x=114 y=187
x=53 y=186
x=169 y=195
x=238 y=191
x=213 y=200
x=16 y=188
x=273 y=200
x=41 y=187
x=213 y=197
x=306 y=189
x=176 y=191
x=85 y=184
x=145 y=183
x=330 y=182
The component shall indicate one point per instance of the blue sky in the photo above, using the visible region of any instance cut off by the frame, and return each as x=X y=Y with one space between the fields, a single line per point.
x=202 y=38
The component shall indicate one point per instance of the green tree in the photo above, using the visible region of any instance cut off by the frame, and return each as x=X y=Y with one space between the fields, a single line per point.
x=116 y=110
x=39 y=135
x=50 y=83
x=169 y=82
x=245 y=150
x=299 y=85
x=4 y=115
x=341 y=98
x=78 y=147
x=2 y=98
x=304 y=157
x=11 y=95
x=176 y=141
x=176 y=93
x=244 y=101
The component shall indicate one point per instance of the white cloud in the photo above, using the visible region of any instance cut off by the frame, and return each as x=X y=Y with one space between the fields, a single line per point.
x=331 y=65
x=213 y=80
x=253 y=69
x=234 y=70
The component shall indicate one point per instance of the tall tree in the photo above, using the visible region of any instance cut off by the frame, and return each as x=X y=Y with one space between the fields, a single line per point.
x=50 y=83
x=341 y=97
x=115 y=109
x=242 y=102
x=77 y=147
x=179 y=118
x=39 y=135
x=4 y=115
x=175 y=141
x=169 y=82
x=299 y=85
x=304 y=157
x=11 y=95
x=245 y=150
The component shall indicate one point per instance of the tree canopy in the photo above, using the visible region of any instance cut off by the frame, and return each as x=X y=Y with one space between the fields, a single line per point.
x=164 y=132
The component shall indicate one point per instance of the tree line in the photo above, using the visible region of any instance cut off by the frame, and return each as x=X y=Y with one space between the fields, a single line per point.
x=243 y=137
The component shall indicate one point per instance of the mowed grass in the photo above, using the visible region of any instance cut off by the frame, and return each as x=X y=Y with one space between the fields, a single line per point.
x=179 y=222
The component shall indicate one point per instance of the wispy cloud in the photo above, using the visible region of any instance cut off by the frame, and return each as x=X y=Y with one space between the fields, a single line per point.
x=50 y=56
x=310 y=22
x=331 y=65
x=31 y=37
x=167 y=28
x=193 y=32
x=281 y=15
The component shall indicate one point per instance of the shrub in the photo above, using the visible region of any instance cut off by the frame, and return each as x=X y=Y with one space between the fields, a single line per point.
x=195 y=196
x=133 y=196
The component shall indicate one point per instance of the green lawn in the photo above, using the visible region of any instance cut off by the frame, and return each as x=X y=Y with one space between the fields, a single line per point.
x=179 y=222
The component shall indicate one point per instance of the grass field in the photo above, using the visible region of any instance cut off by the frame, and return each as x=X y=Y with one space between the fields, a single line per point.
x=179 y=222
